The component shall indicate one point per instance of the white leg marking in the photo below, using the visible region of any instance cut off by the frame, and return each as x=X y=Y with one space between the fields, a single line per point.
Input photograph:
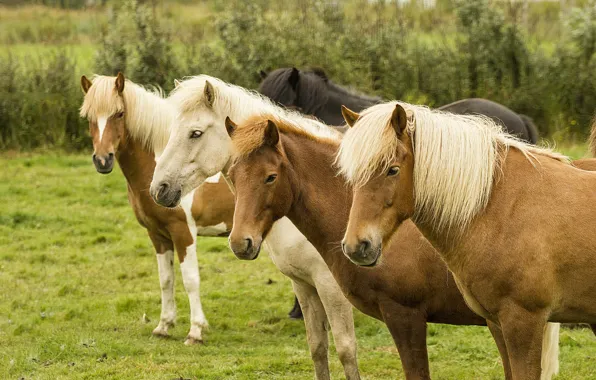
x=216 y=230
x=214 y=178
x=191 y=277
x=165 y=265
x=101 y=125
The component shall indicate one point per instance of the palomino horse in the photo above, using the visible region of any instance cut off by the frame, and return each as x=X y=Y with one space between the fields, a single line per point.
x=512 y=221
x=284 y=168
x=130 y=125
x=313 y=93
x=199 y=147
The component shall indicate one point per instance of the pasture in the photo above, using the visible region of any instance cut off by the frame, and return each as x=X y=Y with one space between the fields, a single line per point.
x=80 y=297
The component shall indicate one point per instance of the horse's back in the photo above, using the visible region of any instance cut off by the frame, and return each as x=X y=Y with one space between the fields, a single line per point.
x=514 y=124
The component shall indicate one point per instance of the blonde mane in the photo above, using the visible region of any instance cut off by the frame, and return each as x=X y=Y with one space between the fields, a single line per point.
x=148 y=114
x=249 y=136
x=241 y=104
x=456 y=159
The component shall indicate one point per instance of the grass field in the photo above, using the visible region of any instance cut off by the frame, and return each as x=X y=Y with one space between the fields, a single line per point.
x=77 y=274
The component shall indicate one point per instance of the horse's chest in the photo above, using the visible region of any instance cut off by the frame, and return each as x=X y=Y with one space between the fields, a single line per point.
x=143 y=213
x=472 y=302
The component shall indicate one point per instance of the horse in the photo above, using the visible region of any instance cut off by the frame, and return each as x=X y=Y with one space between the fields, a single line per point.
x=199 y=147
x=512 y=221
x=131 y=125
x=283 y=168
x=312 y=92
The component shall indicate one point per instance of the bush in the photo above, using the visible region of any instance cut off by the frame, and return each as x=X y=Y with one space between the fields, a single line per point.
x=482 y=49
x=135 y=44
x=39 y=103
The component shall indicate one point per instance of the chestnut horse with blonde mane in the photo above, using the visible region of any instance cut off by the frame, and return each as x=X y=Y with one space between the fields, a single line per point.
x=284 y=168
x=513 y=222
x=131 y=125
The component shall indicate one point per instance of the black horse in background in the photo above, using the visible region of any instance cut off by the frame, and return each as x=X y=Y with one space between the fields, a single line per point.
x=313 y=93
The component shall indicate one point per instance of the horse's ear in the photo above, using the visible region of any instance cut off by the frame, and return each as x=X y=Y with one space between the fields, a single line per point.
x=271 y=134
x=294 y=78
x=209 y=94
x=350 y=116
x=230 y=126
x=176 y=83
x=263 y=74
x=120 y=82
x=318 y=71
x=85 y=84
x=399 y=120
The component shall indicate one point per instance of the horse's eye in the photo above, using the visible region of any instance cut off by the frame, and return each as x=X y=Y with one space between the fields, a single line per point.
x=196 y=134
x=271 y=178
x=120 y=115
x=394 y=170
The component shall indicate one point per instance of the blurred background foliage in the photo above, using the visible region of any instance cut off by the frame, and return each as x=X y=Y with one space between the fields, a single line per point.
x=536 y=57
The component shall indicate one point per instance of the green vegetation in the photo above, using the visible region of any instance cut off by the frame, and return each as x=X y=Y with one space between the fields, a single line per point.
x=538 y=61
x=78 y=274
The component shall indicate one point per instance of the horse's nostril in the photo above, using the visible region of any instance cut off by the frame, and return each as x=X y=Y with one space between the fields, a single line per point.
x=248 y=243
x=364 y=246
x=163 y=188
x=110 y=155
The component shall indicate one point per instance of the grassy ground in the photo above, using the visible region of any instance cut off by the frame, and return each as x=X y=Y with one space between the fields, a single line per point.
x=77 y=274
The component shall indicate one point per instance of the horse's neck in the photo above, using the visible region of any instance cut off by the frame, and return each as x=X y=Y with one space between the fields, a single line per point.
x=321 y=205
x=339 y=97
x=137 y=164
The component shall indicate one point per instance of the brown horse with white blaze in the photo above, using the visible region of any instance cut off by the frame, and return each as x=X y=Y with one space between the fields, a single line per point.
x=282 y=168
x=513 y=222
x=130 y=125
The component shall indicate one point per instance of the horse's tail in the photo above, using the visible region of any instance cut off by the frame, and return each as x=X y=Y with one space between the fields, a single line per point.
x=530 y=127
x=593 y=142
x=550 y=351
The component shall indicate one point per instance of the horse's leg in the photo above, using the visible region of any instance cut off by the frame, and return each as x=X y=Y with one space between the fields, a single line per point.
x=315 y=321
x=497 y=334
x=593 y=327
x=523 y=332
x=165 y=264
x=189 y=267
x=341 y=318
x=408 y=329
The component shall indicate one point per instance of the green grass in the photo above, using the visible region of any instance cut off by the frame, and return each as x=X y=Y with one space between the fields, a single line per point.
x=77 y=274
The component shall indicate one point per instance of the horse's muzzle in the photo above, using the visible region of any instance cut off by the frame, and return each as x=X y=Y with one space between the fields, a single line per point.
x=103 y=164
x=165 y=194
x=245 y=249
x=363 y=253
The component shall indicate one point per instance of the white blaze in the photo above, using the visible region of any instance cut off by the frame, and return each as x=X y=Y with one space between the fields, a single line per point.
x=101 y=125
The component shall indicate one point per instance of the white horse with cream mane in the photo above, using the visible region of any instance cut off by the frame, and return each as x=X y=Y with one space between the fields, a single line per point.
x=199 y=147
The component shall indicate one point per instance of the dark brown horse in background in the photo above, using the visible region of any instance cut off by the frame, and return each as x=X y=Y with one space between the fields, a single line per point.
x=313 y=93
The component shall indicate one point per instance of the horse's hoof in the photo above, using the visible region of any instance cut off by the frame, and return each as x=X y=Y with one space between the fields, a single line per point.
x=190 y=341
x=296 y=313
x=160 y=332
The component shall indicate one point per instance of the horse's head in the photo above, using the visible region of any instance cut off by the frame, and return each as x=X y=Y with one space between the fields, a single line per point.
x=198 y=147
x=105 y=109
x=376 y=158
x=262 y=182
x=305 y=91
